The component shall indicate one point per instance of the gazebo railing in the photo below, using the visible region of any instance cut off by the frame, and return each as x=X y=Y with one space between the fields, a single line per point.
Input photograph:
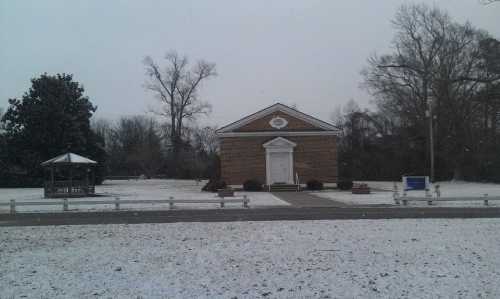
x=68 y=188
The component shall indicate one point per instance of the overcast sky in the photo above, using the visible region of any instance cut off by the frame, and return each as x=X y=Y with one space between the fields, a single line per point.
x=307 y=53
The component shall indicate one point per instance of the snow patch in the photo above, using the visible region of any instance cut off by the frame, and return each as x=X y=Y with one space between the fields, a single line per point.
x=411 y=258
x=382 y=194
x=138 y=189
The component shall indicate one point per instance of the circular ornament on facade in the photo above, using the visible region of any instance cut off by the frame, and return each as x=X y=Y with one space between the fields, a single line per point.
x=278 y=122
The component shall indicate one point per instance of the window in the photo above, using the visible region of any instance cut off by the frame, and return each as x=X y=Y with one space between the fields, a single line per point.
x=278 y=122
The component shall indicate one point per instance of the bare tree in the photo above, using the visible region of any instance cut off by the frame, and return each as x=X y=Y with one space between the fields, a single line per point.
x=490 y=50
x=2 y=124
x=432 y=76
x=103 y=128
x=133 y=145
x=404 y=76
x=177 y=87
x=206 y=139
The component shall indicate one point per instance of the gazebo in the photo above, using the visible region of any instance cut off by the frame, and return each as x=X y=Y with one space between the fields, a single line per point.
x=71 y=175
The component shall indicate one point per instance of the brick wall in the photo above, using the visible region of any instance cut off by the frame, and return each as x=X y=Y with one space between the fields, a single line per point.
x=243 y=158
x=315 y=157
x=262 y=124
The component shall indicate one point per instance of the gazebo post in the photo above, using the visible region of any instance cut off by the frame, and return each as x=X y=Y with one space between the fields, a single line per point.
x=92 y=177
x=52 y=182
x=87 y=180
x=70 y=179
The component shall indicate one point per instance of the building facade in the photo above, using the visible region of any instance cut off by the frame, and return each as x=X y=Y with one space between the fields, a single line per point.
x=278 y=145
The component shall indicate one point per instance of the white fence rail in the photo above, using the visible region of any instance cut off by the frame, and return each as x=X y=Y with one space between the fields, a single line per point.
x=438 y=198
x=117 y=202
x=431 y=200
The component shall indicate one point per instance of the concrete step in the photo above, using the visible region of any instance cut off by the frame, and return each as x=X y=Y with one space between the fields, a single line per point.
x=282 y=188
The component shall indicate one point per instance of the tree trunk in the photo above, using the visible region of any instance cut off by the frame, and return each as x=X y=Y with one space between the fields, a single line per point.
x=458 y=173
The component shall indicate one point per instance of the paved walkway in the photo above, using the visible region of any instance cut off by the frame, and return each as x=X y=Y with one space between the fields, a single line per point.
x=307 y=200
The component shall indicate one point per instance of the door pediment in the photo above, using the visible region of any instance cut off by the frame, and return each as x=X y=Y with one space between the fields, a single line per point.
x=279 y=143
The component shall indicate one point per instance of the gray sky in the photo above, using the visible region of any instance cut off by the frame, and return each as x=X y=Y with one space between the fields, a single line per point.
x=305 y=52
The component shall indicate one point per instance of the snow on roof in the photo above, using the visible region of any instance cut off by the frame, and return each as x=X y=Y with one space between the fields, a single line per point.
x=69 y=158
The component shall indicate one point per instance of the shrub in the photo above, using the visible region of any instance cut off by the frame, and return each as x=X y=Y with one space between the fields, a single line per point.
x=344 y=185
x=252 y=185
x=214 y=185
x=314 y=185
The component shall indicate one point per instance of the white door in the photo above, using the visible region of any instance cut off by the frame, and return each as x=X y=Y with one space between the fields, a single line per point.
x=280 y=167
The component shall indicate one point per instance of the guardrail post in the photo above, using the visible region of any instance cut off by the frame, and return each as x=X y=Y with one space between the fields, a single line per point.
x=12 y=206
x=486 y=199
x=222 y=203
x=395 y=194
x=437 y=190
x=65 y=204
x=405 y=202
x=171 y=204
x=117 y=203
x=245 y=201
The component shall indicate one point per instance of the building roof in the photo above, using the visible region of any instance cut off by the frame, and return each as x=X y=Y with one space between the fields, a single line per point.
x=68 y=158
x=273 y=108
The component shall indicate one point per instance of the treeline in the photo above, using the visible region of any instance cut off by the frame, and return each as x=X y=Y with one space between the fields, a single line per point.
x=54 y=117
x=139 y=145
x=438 y=87
x=439 y=71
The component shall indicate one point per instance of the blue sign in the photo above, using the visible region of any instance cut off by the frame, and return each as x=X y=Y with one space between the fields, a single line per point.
x=415 y=183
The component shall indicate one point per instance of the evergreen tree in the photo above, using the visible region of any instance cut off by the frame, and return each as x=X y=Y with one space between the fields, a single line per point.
x=52 y=117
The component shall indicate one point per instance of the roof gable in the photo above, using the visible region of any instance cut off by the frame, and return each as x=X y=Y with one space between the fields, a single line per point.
x=308 y=122
x=278 y=121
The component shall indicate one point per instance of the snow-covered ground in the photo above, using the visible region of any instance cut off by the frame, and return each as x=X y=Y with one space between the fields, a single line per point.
x=412 y=258
x=382 y=194
x=137 y=189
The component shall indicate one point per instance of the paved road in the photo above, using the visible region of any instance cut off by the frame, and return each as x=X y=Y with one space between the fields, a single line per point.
x=219 y=215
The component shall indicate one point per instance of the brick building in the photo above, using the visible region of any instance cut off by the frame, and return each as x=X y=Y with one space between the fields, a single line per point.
x=277 y=144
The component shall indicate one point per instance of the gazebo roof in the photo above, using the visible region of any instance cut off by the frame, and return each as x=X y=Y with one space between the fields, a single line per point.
x=68 y=158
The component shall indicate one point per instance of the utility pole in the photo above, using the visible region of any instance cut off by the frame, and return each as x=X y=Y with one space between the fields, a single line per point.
x=431 y=138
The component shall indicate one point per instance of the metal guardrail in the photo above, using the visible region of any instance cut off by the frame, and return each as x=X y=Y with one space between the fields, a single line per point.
x=122 y=177
x=135 y=177
x=117 y=202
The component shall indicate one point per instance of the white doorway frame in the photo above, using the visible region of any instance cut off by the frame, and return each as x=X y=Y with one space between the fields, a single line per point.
x=279 y=145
